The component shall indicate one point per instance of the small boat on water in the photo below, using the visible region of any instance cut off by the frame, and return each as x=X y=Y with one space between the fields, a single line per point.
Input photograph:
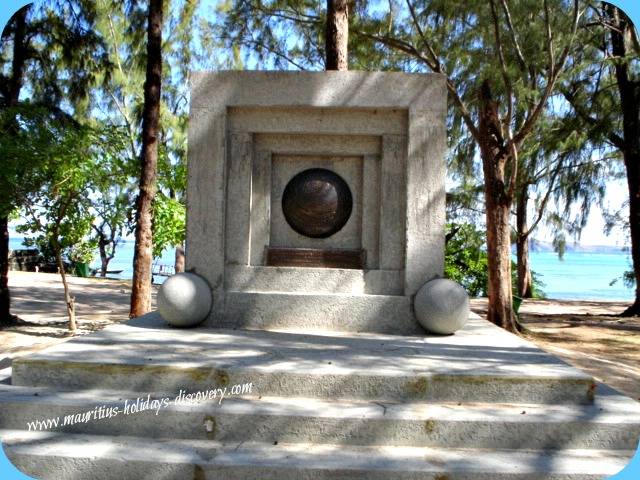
x=95 y=272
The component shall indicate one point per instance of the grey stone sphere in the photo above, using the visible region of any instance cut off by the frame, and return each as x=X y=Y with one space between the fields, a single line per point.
x=442 y=306
x=184 y=300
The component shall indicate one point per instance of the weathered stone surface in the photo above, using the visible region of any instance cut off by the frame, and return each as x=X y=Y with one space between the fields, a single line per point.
x=184 y=300
x=54 y=456
x=612 y=422
x=252 y=132
x=441 y=306
x=481 y=363
x=479 y=405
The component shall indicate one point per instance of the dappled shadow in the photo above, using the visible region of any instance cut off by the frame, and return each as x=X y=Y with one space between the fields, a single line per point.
x=472 y=365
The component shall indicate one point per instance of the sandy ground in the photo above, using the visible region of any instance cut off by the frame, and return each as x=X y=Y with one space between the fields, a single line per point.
x=38 y=299
x=587 y=335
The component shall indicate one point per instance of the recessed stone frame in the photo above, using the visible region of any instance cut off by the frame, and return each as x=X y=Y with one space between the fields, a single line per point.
x=387 y=129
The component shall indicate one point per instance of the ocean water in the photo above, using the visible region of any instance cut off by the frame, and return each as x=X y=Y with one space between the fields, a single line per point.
x=583 y=276
x=122 y=261
x=579 y=276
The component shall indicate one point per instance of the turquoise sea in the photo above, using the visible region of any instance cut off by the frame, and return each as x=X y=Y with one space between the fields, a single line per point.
x=582 y=275
x=579 y=276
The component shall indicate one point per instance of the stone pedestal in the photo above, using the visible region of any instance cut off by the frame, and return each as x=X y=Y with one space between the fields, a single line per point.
x=251 y=133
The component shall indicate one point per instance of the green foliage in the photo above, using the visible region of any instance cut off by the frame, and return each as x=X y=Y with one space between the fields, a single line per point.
x=59 y=214
x=28 y=147
x=629 y=279
x=169 y=223
x=466 y=261
x=83 y=252
x=537 y=286
x=119 y=94
x=112 y=191
x=466 y=258
x=74 y=168
x=63 y=54
x=122 y=26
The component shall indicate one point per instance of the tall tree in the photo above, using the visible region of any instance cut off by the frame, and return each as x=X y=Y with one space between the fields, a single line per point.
x=11 y=91
x=560 y=166
x=625 y=50
x=509 y=81
x=604 y=93
x=337 y=35
x=143 y=254
x=54 y=51
x=120 y=97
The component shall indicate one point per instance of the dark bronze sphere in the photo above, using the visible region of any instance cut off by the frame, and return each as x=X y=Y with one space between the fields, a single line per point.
x=317 y=203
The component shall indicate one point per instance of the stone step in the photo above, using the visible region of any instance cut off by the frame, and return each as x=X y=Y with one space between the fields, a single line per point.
x=55 y=456
x=481 y=363
x=385 y=314
x=612 y=422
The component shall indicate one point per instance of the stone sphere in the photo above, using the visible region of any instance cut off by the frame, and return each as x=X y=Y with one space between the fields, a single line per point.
x=442 y=306
x=184 y=300
x=317 y=203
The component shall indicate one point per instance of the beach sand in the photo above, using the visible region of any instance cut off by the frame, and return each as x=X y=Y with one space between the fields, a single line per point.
x=586 y=334
x=38 y=300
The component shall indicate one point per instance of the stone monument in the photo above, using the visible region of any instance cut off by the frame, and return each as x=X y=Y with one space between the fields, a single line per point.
x=316 y=199
x=315 y=205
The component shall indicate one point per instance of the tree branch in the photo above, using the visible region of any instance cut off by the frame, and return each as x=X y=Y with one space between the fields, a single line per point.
x=503 y=67
x=545 y=200
x=514 y=38
x=554 y=72
x=427 y=44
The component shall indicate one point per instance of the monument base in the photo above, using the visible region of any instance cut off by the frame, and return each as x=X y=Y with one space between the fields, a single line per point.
x=482 y=404
x=387 y=314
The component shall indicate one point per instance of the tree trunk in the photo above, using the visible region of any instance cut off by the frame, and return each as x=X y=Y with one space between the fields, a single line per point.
x=522 y=245
x=14 y=88
x=337 y=35
x=179 y=265
x=5 y=298
x=495 y=158
x=630 y=101
x=68 y=299
x=499 y=252
x=104 y=259
x=632 y=163
x=143 y=254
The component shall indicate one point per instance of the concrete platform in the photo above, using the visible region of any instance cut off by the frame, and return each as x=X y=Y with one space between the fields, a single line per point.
x=481 y=363
x=481 y=404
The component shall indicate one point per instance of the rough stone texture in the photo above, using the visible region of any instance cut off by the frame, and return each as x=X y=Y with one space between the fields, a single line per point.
x=483 y=404
x=612 y=422
x=52 y=457
x=480 y=363
x=215 y=91
x=184 y=300
x=441 y=306
x=425 y=218
x=342 y=312
x=252 y=131
x=318 y=280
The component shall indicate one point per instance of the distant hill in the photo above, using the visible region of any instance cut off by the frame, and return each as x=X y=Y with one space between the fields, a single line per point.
x=542 y=246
